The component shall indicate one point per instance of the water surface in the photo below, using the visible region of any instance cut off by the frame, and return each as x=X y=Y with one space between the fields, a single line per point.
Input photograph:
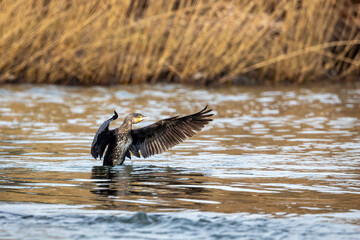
x=275 y=163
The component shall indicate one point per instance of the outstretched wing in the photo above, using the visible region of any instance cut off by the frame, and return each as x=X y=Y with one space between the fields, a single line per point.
x=164 y=134
x=102 y=138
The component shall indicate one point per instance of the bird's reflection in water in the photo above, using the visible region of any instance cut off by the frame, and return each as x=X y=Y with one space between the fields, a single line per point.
x=112 y=181
x=148 y=183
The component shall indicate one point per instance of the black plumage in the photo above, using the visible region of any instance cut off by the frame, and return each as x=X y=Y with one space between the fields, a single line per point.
x=147 y=141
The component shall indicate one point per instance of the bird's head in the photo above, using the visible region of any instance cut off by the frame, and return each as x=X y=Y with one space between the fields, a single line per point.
x=137 y=117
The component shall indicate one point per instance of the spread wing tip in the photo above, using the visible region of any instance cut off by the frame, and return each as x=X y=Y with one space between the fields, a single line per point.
x=205 y=110
x=204 y=114
x=115 y=116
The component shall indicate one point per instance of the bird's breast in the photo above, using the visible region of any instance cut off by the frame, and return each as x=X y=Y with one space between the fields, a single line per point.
x=123 y=143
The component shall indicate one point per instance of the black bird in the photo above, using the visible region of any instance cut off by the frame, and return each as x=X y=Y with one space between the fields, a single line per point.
x=147 y=141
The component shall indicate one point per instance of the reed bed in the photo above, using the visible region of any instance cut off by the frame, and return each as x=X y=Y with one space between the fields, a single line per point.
x=189 y=41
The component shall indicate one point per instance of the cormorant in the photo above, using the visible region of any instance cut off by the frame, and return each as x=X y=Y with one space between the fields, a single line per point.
x=147 y=141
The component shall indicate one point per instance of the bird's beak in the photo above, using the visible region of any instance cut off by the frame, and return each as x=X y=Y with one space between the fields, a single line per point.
x=142 y=119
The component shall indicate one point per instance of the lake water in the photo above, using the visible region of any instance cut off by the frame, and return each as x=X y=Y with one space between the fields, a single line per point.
x=276 y=163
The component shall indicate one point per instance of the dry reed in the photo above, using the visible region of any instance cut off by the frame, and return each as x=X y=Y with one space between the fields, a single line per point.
x=189 y=41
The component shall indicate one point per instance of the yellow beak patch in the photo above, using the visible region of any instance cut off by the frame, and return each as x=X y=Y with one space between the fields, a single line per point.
x=139 y=119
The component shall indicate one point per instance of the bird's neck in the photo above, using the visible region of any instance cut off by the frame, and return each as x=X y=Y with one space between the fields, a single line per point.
x=126 y=126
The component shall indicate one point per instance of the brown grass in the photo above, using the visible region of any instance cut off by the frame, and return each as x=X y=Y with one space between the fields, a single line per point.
x=110 y=41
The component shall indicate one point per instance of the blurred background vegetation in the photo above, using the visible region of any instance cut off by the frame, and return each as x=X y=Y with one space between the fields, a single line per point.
x=189 y=41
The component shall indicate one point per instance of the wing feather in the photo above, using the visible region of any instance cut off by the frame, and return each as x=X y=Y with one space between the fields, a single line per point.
x=102 y=138
x=165 y=134
x=134 y=150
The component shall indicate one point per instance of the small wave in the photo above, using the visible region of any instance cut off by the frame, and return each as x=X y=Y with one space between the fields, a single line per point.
x=46 y=221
